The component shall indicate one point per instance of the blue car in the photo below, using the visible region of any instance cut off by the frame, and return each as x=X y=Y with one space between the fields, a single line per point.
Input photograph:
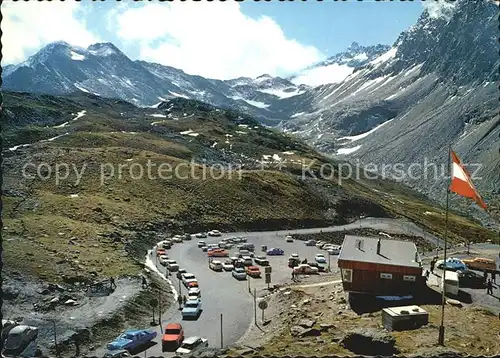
x=192 y=309
x=275 y=252
x=131 y=339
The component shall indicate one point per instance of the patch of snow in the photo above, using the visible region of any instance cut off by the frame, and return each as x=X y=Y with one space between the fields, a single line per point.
x=360 y=57
x=428 y=213
x=213 y=145
x=243 y=125
x=187 y=132
x=155 y=105
x=297 y=114
x=54 y=138
x=80 y=115
x=16 y=147
x=288 y=153
x=178 y=95
x=266 y=157
x=240 y=132
x=158 y=115
x=193 y=134
x=229 y=135
x=282 y=93
x=80 y=87
x=276 y=157
x=73 y=196
x=317 y=76
x=369 y=83
x=161 y=99
x=61 y=125
x=366 y=134
x=385 y=57
x=76 y=56
x=348 y=150
x=413 y=69
x=393 y=96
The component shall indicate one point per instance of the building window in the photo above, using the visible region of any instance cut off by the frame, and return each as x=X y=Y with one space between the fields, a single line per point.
x=409 y=278
x=347 y=275
x=387 y=276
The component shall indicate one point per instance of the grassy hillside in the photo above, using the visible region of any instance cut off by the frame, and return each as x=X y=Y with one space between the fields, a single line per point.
x=100 y=214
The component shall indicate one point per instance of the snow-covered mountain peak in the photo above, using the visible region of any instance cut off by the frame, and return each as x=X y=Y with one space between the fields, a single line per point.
x=104 y=49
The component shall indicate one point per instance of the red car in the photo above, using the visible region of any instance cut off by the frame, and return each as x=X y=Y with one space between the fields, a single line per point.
x=218 y=253
x=172 y=337
x=192 y=284
x=253 y=271
x=160 y=251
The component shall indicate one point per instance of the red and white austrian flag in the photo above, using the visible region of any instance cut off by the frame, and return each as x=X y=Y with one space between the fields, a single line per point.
x=461 y=182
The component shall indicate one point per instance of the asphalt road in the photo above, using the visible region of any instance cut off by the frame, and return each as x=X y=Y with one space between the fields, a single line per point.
x=222 y=294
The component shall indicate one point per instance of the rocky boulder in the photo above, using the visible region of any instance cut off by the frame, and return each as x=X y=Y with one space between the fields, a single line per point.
x=369 y=342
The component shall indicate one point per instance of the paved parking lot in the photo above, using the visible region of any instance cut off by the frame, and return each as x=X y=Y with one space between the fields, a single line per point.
x=222 y=294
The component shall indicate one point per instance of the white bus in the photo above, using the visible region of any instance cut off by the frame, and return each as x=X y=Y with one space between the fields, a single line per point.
x=450 y=282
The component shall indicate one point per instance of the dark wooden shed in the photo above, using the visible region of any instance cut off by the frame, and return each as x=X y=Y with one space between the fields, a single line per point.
x=380 y=266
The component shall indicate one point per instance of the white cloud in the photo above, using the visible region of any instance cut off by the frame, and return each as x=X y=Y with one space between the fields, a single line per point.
x=437 y=9
x=214 y=40
x=28 y=26
x=333 y=73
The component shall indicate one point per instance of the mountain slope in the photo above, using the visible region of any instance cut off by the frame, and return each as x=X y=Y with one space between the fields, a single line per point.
x=434 y=88
x=128 y=174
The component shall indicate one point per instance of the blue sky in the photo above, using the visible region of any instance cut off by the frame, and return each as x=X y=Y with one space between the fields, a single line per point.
x=218 y=40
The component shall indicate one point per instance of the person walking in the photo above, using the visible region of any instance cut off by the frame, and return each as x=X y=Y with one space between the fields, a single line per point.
x=433 y=263
x=489 y=287
x=427 y=275
x=293 y=275
x=112 y=283
x=184 y=299
x=179 y=300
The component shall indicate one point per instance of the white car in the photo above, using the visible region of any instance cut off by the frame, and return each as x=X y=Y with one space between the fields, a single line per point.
x=289 y=238
x=215 y=265
x=320 y=258
x=191 y=345
x=172 y=265
x=163 y=259
x=228 y=265
x=202 y=243
x=214 y=233
x=177 y=238
x=194 y=293
x=187 y=276
x=239 y=273
x=305 y=269
x=334 y=250
x=294 y=256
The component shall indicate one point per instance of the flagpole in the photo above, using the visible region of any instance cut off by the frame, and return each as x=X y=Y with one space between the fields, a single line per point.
x=443 y=298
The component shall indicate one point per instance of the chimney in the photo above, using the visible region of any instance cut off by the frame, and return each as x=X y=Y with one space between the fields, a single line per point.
x=378 y=247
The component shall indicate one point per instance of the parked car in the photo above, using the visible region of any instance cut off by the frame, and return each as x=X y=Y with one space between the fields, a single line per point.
x=201 y=235
x=172 y=265
x=160 y=251
x=239 y=273
x=192 y=345
x=167 y=245
x=178 y=238
x=218 y=253
x=173 y=336
x=481 y=264
x=276 y=251
x=244 y=252
x=228 y=265
x=334 y=250
x=202 y=243
x=191 y=309
x=7 y=325
x=310 y=243
x=247 y=261
x=452 y=264
x=163 y=259
x=18 y=339
x=204 y=248
x=131 y=339
x=180 y=272
x=321 y=268
x=192 y=284
x=262 y=261
x=305 y=269
x=117 y=354
x=187 y=276
x=248 y=246
x=215 y=265
x=289 y=238
x=214 y=233
x=320 y=244
x=194 y=293
x=187 y=237
x=253 y=271
x=320 y=258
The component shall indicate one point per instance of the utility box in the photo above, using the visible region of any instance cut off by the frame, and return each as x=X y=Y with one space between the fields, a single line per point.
x=404 y=318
